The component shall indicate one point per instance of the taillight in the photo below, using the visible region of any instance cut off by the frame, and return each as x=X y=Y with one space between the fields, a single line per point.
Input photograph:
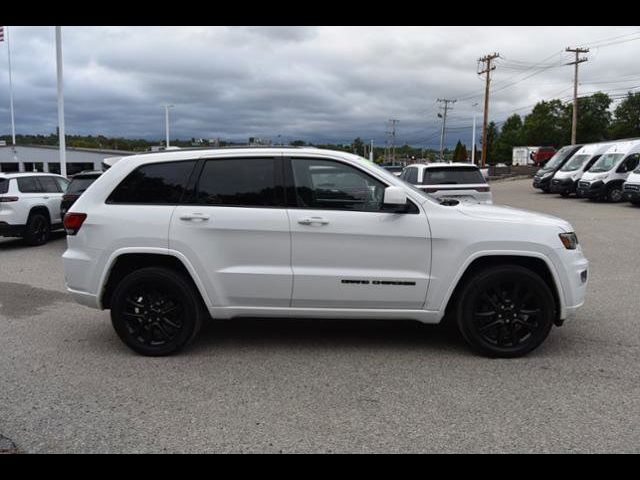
x=68 y=197
x=73 y=222
x=430 y=190
x=483 y=189
x=8 y=199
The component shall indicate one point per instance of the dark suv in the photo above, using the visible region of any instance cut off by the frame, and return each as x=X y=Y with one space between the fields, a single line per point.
x=79 y=183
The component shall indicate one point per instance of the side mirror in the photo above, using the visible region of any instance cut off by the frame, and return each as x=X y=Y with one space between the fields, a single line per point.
x=394 y=196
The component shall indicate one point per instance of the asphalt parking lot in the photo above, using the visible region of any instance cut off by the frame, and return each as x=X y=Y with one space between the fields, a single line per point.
x=67 y=384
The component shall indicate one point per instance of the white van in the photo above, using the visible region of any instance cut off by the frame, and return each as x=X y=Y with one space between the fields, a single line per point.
x=565 y=181
x=632 y=187
x=605 y=179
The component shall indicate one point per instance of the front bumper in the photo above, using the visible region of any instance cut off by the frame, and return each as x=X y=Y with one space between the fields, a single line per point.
x=574 y=277
x=632 y=192
x=592 y=189
x=563 y=186
x=8 y=230
x=543 y=183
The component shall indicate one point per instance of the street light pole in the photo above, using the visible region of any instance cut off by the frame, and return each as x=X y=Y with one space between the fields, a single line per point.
x=61 y=134
x=166 y=123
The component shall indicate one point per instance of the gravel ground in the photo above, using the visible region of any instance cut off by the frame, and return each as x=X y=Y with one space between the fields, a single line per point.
x=67 y=384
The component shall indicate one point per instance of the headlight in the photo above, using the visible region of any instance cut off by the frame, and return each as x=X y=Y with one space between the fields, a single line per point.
x=569 y=240
x=547 y=175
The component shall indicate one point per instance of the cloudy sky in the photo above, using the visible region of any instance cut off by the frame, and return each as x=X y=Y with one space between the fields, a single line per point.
x=321 y=84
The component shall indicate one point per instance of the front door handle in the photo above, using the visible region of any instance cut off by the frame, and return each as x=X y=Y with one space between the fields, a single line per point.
x=197 y=217
x=313 y=221
x=45 y=197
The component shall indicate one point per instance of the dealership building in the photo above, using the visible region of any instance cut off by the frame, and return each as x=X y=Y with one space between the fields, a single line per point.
x=45 y=158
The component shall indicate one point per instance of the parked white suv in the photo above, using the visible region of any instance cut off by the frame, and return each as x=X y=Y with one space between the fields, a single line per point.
x=166 y=240
x=30 y=205
x=458 y=181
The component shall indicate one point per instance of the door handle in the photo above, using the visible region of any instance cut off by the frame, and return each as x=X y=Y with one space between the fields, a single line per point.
x=45 y=197
x=190 y=217
x=313 y=220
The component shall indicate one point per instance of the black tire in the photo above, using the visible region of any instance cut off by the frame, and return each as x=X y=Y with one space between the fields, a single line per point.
x=38 y=230
x=565 y=194
x=156 y=311
x=505 y=311
x=636 y=203
x=615 y=194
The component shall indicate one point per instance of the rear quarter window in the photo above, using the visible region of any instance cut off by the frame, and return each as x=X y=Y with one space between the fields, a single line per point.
x=452 y=176
x=154 y=184
x=4 y=185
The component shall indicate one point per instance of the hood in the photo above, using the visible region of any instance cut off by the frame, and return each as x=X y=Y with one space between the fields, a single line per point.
x=544 y=171
x=590 y=176
x=513 y=215
x=561 y=175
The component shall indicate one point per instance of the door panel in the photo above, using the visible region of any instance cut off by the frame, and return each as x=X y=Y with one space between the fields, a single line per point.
x=354 y=255
x=235 y=232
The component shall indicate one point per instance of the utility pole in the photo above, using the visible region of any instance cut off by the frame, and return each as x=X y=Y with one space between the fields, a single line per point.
x=574 y=123
x=444 y=123
x=371 y=152
x=392 y=134
x=487 y=68
x=166 y=123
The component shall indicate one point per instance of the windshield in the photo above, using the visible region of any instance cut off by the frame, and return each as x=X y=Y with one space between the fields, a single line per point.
x=576 y=163
x=4 y=185
x=80 y=184
x=452 y=176
x=606 y=162
x=558 y=158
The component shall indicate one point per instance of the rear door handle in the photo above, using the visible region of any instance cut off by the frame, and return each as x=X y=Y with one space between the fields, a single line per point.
x=191 y=217
x=313 y=221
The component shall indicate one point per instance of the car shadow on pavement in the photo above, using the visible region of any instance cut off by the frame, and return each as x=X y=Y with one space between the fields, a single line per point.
x=320 y=333
x=8 y=244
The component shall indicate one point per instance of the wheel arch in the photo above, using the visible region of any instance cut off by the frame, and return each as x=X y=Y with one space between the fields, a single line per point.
x=42 y=209
x=537 y=263
x=124 y=262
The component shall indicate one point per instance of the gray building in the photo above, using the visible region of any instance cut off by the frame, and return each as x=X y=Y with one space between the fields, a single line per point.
x=44 y=158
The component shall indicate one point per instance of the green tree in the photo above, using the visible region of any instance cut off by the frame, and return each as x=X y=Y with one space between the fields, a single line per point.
x=492 y=136
x=460 y=153
x=594 y=118
x=626 y=123
x=510 y=136
x=546 y=125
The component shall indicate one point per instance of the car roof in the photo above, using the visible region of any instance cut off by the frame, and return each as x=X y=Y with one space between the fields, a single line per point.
x=444 y=164
x=88 y=173
x=27 y=174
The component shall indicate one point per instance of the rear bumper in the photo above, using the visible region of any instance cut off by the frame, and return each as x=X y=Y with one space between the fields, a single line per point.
x=7 y=230
x=592 y=190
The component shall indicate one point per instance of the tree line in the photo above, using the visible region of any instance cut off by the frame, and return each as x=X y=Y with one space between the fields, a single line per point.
x=549 y=124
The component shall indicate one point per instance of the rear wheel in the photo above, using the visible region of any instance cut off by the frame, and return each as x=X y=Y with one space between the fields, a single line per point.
x=505 y=311
x=156 y=311
x=38 y=230
x=564 y=194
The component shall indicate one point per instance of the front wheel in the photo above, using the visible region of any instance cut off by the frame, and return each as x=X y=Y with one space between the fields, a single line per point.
x=505 y=311
x=615 y=194
x=156 y=311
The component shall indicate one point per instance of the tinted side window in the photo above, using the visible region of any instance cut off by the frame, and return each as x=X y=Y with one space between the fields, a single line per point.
x=29 y=185
x=157 y=183
x=4 y=185
x=328 y=185
x=49 y=185
x=412 y=176
x=240 y=182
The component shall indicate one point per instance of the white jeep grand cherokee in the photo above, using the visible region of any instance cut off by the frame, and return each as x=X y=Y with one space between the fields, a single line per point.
x=167 y=240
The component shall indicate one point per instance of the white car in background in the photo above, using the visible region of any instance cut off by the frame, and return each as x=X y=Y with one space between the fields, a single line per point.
x=30 y=205
x=458 y=181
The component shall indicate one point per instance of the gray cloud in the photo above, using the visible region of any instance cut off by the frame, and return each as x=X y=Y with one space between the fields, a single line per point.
x=314 y=83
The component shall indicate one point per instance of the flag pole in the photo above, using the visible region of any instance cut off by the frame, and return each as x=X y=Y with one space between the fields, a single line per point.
x=61 y=135
x=13 y=121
